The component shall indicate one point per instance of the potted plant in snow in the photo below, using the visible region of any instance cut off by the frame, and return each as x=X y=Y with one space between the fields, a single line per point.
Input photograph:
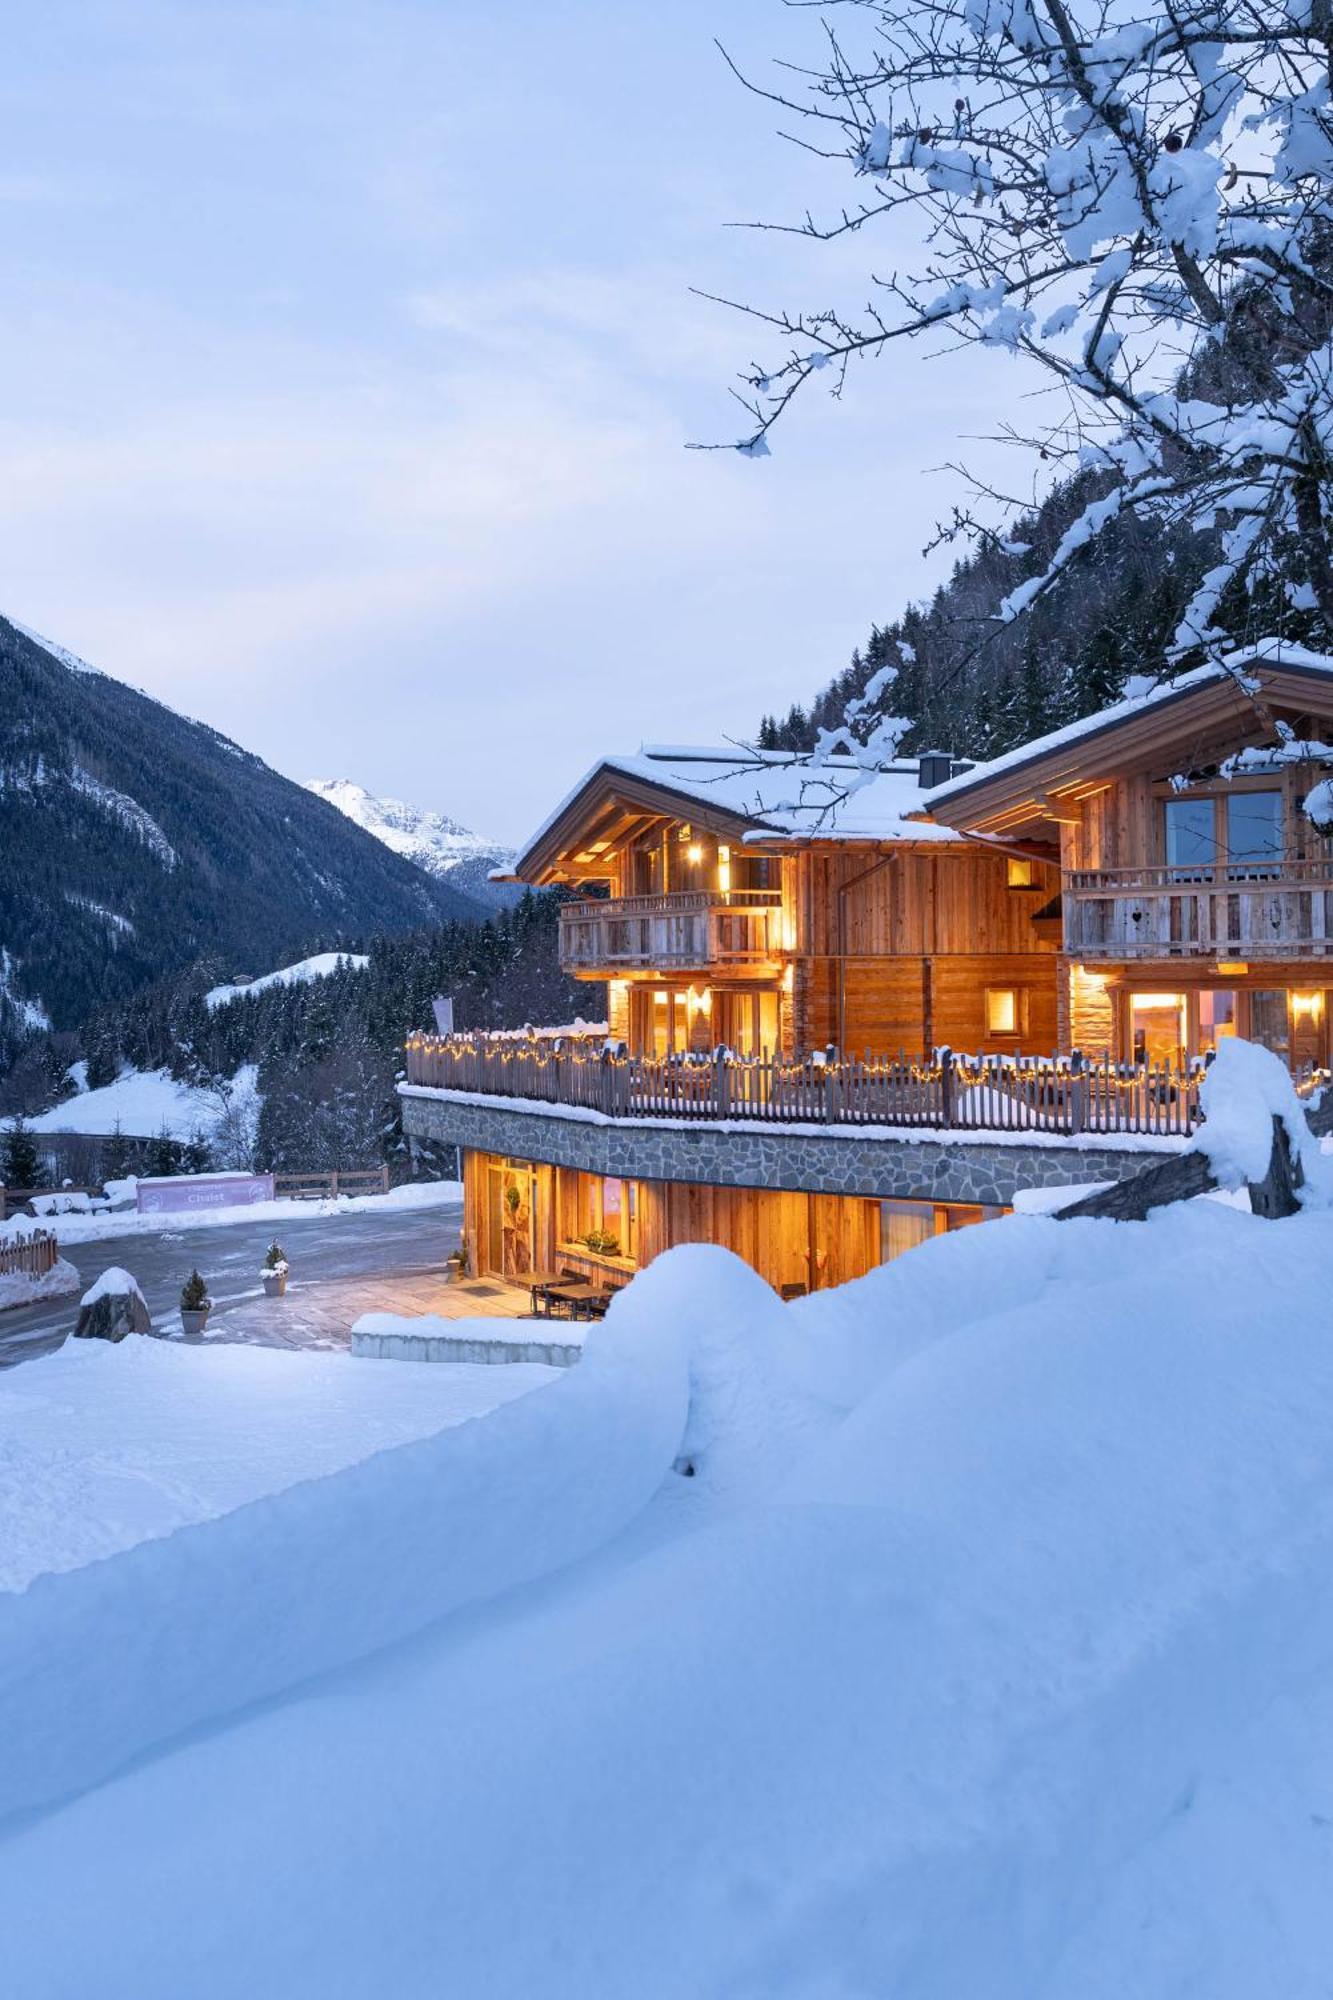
x=195 y=1306
x=274 y=1272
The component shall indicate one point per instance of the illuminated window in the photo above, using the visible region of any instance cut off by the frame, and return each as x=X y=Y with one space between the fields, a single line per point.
x=1020 y=873
x=1001 y=1010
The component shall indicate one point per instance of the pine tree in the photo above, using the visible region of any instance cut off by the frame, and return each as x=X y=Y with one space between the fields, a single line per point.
x=164 y=1158
x=20 y=1163
x=116 y=1155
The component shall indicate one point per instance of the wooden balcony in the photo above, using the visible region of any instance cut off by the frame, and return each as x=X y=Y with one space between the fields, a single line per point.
x=1238 y=910
x=695 y=931
x=1033 y=1094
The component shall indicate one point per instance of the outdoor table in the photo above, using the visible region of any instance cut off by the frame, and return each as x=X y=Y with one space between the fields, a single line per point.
x=576 y=1296
x=538 y=1284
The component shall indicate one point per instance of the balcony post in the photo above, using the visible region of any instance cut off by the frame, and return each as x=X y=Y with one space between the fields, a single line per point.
x=947 y=1081
x=722 y=1083
x=1078 y=1093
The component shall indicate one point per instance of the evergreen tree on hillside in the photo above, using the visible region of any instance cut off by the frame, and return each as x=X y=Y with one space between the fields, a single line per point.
x=20 y=1163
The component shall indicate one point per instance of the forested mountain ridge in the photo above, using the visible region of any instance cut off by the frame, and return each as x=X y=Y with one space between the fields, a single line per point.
x=134 y=841
x=976 y=686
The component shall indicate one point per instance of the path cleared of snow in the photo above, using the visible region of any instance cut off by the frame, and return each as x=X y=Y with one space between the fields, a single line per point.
x=103 y=1447
x=79 y=1228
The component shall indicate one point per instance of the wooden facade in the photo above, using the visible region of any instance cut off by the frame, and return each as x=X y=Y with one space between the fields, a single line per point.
x=1196 y=893
x=522 y=1216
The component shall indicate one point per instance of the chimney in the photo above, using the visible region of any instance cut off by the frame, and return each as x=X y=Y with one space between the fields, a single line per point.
x=935 y=767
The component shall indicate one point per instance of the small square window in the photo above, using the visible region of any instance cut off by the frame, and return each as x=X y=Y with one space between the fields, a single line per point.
x=1020 y=873
x=1002 y=1010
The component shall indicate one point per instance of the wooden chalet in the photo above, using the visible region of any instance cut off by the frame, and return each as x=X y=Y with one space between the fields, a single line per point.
x=1049 y=943
x=1196 y=893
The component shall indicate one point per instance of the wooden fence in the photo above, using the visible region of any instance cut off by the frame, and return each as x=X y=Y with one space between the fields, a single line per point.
x=33 y=1255
x=318 y=1187
x=1063 y=1094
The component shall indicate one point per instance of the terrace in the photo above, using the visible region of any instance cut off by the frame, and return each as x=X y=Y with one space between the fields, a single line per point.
x=1070 y=1095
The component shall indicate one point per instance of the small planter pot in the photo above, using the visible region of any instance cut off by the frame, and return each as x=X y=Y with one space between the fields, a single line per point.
x=275 y=1283
x=194 y=1323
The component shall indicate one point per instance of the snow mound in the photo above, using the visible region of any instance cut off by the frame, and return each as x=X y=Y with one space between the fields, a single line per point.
x=986 y=1655
x=1243 y=1091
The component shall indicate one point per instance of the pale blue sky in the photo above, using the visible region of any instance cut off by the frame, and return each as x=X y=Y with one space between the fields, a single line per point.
x=348 y=356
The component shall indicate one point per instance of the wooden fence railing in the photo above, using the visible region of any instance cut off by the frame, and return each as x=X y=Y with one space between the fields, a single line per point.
x=318 y=1187
x=33 y=1255
x=1070 y=1095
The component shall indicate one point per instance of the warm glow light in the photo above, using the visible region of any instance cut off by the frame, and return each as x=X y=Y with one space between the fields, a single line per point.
x=1233 y=968
x=1001 y=1010
x=724 y=869
x=1020 y=873
x=788 y=978
x=1307 y=1006
x=694 y=854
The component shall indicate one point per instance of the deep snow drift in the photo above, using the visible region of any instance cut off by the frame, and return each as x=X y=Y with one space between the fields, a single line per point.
x=103 y=1447
x=988 y=1655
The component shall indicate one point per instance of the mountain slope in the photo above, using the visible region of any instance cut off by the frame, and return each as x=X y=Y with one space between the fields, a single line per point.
x=133 y=841
x=450 y=852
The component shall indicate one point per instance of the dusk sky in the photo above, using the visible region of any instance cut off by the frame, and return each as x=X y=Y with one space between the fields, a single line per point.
x=349 y=357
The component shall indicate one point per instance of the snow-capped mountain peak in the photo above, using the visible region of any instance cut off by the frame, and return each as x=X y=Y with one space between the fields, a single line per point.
x=434 y=841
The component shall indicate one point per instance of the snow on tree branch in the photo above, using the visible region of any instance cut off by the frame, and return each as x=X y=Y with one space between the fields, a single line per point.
x=1137 y=202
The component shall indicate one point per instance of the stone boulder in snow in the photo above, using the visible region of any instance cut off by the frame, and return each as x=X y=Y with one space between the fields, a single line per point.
x=113 y=1307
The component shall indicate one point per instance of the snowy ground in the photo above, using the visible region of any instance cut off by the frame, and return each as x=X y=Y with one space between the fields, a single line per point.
x=142 y=1103
x=77 y=1227
x=987 y=1656
x=355 y=1239
x=102 y=1447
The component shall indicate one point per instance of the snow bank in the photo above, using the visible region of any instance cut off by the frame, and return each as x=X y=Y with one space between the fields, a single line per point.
x=103 y=1447
x=81 y=1227
x=985 y=1656
x=20 y=1288
x=300 y=974
x=241 y=1608
x=1243 y=1090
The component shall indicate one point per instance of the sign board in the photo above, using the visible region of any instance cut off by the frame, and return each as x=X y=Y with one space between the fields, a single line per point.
x=194 y=1191
x=444 y=1015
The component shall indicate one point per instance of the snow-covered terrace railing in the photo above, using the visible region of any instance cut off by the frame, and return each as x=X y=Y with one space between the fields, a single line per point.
x=967 y=1093
x=697 y=927
x=1226 y=910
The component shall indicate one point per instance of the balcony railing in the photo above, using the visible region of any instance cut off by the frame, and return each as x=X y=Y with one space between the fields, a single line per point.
x=1037 y=1094
x=1239 y=910
x=694 y=930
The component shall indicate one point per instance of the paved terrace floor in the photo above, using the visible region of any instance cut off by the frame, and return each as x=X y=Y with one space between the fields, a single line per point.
x=342 y=1266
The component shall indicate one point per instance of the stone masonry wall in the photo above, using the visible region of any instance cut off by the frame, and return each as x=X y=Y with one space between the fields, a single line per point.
x=847 y=1162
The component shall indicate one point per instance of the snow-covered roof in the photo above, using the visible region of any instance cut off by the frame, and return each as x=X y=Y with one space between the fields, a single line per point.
x=782 y=796
x=1159 y=694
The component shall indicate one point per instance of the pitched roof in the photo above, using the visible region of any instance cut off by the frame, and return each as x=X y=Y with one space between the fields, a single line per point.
x=752 y=794
x=1273 y=669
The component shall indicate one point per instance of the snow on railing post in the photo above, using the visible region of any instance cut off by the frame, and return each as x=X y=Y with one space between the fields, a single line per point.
x=1078 y=1093
x=722 y=1083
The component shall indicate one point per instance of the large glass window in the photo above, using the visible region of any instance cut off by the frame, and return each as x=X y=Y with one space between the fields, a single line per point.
x=1191 y=834
x=1254 y=829
x=1157 y=1027
x=1217 y=1018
